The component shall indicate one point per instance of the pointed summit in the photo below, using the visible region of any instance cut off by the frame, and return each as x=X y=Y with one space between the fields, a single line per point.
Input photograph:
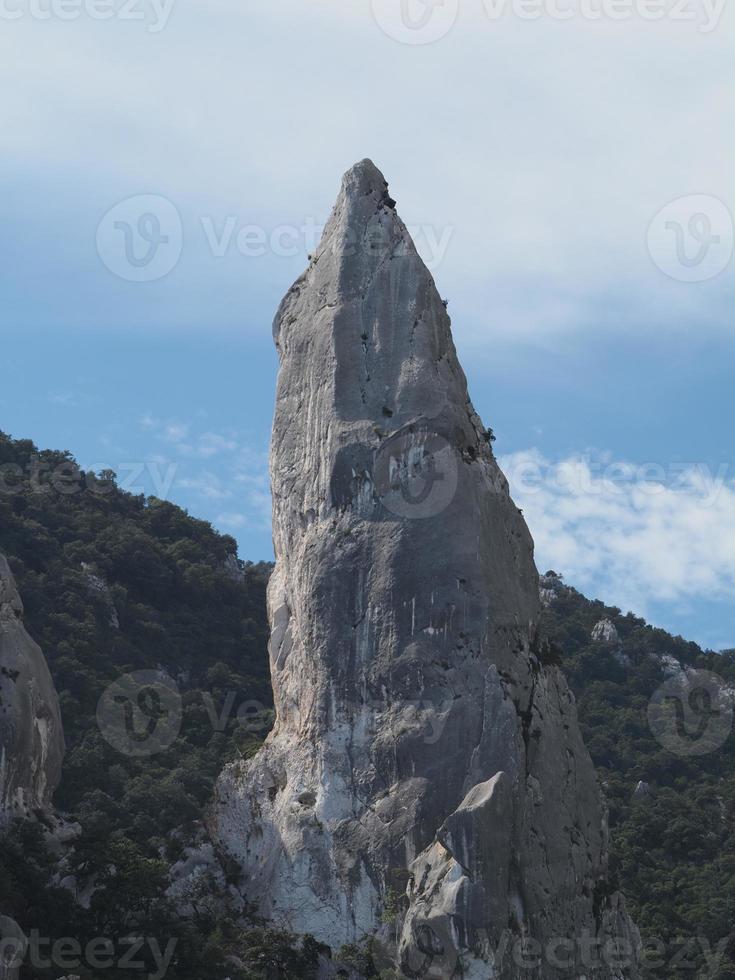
x=373 y=303
x=365 y=177
x=426 y=763
x=364 y=188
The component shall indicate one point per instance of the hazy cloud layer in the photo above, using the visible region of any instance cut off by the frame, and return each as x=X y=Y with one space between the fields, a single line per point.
x=214 y=474
x=628 y=533
x=538 y=150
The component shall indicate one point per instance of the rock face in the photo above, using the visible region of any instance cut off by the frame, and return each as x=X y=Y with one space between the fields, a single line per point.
x=605 y=632
x=98 y=587
x=422 y=748
x=31 y=736
x=551 y=587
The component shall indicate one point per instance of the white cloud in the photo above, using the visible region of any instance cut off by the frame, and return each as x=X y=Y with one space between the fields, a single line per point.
x=207 y=485
x=175 y=432
x=631 y=534
x=67 y=399
x=213 y=443
x=235 y=471
x=186 y=443
x=550 y=152
x=256 y=516
x=233 y=521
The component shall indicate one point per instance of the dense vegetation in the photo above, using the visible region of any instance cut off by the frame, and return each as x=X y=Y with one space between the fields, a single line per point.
x=114 y=583
x=673 y=850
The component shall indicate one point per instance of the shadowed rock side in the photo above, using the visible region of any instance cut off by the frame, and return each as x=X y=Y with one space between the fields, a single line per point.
x=421 y=745
x=31 y=735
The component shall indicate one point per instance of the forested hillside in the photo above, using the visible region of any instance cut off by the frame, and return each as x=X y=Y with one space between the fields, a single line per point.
x=673 y=836
x=114 y=584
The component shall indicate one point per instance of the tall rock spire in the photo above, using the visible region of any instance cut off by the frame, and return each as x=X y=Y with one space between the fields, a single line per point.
x=31 y=735
x=424 y=745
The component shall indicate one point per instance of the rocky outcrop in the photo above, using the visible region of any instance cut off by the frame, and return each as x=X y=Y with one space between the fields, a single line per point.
x=31 y=736
x=99 y=588
x=551 y=587
x=605 y=631
x=425 y=781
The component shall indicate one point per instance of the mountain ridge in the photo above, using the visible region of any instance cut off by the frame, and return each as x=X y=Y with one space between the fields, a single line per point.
x=672 y=850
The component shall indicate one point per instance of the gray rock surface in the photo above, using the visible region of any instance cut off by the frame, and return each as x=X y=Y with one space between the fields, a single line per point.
x=99 y=587
x=551 y=587
x=421 y=747
x=31 y=736
x=669 y=664
x=605 y=631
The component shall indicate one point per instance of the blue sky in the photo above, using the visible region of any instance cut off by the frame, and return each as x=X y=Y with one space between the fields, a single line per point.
x=533 y=159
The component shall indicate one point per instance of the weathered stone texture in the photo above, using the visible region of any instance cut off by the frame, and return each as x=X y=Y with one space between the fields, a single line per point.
x=31 y=735
x=421 y=742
